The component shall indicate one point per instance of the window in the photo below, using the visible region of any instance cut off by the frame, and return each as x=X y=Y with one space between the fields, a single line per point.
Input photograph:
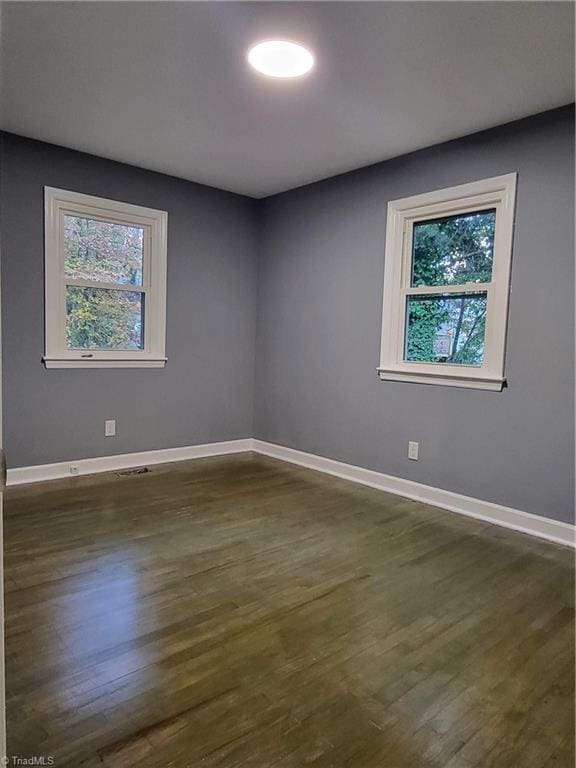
x=105 y=270
x=446 y=285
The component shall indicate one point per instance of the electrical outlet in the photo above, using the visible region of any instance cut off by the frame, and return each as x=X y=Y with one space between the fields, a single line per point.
x=413 y=449
x=74 y=469
x=109 y=427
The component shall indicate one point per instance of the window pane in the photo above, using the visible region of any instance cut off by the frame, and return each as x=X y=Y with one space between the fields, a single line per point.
x=454 y=250
x=446 y=329
x=103 y=252
x=100 y=318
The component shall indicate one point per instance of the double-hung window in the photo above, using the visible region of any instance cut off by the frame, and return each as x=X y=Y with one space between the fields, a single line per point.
x=105 y=277
x=446 y=285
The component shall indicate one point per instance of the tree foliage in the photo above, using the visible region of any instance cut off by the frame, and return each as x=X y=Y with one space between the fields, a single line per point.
x=99 y=318
x=451 y=251
x=105 y=253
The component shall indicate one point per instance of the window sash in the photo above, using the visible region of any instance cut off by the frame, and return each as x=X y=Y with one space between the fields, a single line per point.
x=447 y=289
x=456 y=366
x=408 y=240
x=144 y=288
x=123 y=221
x=438 y=290
x=108 y=286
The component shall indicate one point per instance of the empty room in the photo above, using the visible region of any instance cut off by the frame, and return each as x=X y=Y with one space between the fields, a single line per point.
x=287 y=404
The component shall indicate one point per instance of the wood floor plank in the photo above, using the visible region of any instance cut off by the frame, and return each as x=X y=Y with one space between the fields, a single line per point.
x=241 y=612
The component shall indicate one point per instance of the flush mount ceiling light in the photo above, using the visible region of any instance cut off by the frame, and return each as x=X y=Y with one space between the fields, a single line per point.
x=280 y=58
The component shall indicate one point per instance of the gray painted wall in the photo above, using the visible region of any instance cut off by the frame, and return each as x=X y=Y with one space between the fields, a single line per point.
x=320 y=302
x=310 y=264
x=205 y=392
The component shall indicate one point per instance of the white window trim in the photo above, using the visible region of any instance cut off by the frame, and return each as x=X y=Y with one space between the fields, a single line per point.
x=499 y=193
x=58 y=202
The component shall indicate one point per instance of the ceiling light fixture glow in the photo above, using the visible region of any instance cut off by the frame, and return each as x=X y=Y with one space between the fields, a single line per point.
x=280 y=58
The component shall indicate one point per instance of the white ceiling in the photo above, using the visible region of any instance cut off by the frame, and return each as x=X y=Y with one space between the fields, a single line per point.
x=165 y=85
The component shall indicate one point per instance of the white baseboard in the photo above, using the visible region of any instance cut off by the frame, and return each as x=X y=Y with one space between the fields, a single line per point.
x=41 y=472
x=543 y=527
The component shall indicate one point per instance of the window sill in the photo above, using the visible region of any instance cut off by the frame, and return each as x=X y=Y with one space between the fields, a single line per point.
x=59 y=362
x=443 y=379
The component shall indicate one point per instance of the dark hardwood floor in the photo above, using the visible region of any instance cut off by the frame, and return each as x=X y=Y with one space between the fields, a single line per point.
x=239 y=611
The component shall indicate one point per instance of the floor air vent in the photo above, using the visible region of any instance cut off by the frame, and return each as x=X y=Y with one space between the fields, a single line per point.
x=137 y=471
